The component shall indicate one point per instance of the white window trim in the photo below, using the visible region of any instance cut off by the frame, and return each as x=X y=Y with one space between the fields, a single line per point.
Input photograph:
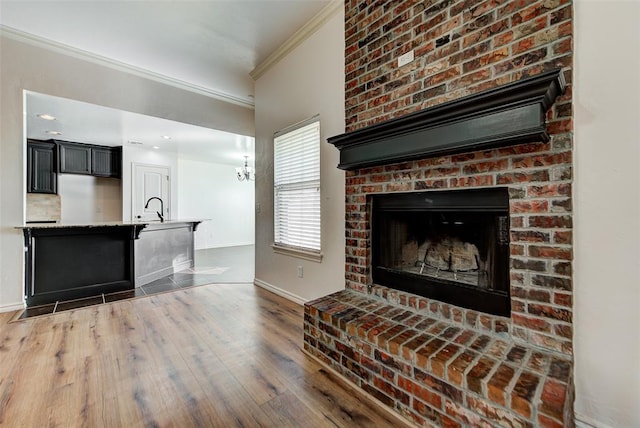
x=292 y=251
x=299 y=253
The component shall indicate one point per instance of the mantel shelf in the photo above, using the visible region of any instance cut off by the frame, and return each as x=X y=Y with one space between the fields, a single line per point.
x=510 y=114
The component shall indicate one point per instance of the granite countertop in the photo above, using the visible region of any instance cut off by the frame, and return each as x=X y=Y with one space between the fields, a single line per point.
x=106 y=224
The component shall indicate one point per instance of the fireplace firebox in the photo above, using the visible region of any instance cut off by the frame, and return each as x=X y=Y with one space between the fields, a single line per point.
x=451 y=246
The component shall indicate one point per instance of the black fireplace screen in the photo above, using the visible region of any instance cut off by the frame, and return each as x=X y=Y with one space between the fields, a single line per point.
x=451 y=246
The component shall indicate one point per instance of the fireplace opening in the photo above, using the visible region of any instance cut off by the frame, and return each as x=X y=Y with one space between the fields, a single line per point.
x=451 y=246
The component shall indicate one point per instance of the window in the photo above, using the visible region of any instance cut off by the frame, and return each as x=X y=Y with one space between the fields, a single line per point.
x=296 y=180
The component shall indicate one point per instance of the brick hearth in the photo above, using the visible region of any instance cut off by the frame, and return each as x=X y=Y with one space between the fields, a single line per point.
x=434 y=371
x=433 y=363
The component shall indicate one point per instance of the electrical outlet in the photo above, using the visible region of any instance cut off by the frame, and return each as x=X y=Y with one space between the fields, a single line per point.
x=257 y=208
x=300 y=272
x=405 y=59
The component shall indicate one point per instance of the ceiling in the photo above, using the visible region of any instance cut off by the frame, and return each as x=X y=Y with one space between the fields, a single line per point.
x=211 y=45
x=89 y=123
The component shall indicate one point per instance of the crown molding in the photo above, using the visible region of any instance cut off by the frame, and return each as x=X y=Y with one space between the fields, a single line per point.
x=298 y=37
x=64 y=49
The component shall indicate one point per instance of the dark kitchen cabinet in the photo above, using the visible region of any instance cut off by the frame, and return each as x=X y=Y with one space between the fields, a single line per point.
x=87 y=159
x=106 y=161
x=75 y=158
x=41 y=167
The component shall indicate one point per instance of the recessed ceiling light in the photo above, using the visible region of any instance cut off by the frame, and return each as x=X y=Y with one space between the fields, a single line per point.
x=136 y=143
x=54 y=132
x=46 y=117
x=166 y=137
x=156 y=147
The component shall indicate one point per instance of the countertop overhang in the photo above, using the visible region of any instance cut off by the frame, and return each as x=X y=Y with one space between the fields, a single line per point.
x=135 y=226
x=106 y=224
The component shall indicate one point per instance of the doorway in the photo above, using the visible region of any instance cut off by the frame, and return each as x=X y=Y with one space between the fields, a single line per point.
x=150 y=181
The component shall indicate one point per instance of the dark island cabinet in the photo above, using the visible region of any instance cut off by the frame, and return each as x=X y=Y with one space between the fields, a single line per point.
x=87 y=159
x=41 y=167
x=66 y=263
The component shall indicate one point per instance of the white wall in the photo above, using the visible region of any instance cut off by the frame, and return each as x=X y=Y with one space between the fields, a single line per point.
x=87 y=199
x=607 y=213
x=26 y=66
x=308 y=81
x=137 y=155
x=212 y=191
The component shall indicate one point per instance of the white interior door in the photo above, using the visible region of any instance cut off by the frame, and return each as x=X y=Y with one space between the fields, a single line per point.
x=150 y=181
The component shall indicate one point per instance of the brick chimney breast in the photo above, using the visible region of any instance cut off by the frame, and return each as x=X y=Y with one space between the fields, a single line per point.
x=442 y=364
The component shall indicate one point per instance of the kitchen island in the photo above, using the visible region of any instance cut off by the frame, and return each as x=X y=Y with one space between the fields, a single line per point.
x=72 y=261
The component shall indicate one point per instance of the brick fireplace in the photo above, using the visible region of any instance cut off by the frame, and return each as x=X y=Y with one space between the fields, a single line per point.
x=433 y=362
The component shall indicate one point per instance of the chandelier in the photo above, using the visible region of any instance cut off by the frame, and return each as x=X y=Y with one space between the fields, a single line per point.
x=246 y=172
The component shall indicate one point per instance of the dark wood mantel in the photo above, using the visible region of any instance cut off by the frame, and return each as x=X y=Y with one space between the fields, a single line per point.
x=509 y=114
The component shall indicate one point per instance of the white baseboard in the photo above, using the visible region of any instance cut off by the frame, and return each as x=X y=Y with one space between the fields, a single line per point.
x=150 y=277
x=228 y=245
x=280 y=292
x=153 y=276
x=182 y=266
x=583 y=421
x=11 y=307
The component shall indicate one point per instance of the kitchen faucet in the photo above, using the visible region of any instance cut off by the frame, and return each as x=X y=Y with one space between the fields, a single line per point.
x=161 y=207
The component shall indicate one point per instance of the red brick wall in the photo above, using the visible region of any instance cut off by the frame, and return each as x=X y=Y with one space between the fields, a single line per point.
x=491 y=43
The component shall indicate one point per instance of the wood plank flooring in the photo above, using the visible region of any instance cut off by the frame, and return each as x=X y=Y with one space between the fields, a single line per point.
x=222 y=355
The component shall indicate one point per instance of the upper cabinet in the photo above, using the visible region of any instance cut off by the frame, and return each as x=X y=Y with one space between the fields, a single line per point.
x=41 y=167
x=45 y=159
x=87 y=159
x=75 y=158
x=106 y=161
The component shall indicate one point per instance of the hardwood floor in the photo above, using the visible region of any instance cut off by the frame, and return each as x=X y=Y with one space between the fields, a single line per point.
x=223 y=355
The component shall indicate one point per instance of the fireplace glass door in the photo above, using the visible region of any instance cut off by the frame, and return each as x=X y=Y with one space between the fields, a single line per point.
x=451 y=246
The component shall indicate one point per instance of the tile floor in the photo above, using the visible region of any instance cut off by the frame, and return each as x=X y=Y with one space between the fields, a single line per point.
x=214 y=265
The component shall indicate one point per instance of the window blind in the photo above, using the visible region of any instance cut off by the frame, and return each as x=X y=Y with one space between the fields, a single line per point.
x=297 y=186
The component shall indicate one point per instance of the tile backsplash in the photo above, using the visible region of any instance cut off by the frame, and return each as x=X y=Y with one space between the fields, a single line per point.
x=43 y=207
